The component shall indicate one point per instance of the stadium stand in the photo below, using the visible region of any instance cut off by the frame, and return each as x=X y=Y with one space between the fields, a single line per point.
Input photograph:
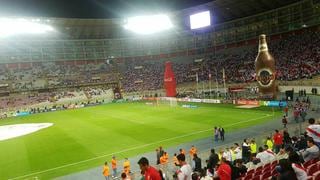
x=299 y=61
x=142 y=75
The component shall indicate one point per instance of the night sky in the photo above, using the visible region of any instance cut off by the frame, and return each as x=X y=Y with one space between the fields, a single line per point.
x=91 y=8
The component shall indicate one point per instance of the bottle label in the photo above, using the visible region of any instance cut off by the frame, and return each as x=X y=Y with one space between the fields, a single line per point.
x=168 y=79
x=265 y=77
x=263 y=47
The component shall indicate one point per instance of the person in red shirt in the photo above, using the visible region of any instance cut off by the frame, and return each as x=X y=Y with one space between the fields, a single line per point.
x=223 y=171
x=277 y=141
x=286 y=109
x=296 y=114
x=149 y=172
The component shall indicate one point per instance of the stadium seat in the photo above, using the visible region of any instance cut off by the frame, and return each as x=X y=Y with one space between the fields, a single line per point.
x=266 y=169
x=259 y=168
x=256 y=177
x=247 y=177
x=309 y=163
x=312 y=169
x=267 y=166
x=274 y=162
x=258 y=173
x=310 y=178
x=273 y=166
x=251 y=171
x=274 y=172
x=266 y=175
x=316 y=175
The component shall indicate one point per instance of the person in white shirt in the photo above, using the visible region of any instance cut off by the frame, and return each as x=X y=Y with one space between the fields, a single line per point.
x=298 y=168
x=185 y=171
x=265 y=156
x=227 y=155
x=313 y=130
x=237 y=151
x=312 y=152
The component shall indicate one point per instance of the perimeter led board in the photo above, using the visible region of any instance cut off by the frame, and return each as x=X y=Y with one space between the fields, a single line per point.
x=200 y=20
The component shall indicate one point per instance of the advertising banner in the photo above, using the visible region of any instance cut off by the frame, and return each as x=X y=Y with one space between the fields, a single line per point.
x=273 y=103
x=247 y=102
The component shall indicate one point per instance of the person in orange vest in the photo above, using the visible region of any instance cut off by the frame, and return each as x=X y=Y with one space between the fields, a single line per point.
x=192 y=151
x=175 y=160
x=164 y=158
x=182 y=151
x=166 y=155
x=114 y=166
x=126 y=166
x=105 y=171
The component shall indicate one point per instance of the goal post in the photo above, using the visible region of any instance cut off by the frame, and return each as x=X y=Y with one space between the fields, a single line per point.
x=168 y=101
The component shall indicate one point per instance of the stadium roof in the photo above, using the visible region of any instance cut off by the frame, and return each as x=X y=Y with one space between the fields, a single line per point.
x=225 y=9
x=103 y=18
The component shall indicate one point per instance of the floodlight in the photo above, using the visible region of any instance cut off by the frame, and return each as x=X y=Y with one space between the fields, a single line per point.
x=148 y=24
x=9 y=26
x=200 y=20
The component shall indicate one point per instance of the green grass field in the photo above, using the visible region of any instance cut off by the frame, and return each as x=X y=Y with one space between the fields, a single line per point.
x=85 y=138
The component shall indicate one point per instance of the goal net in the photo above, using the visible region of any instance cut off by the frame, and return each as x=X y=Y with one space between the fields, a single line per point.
x=167 y=101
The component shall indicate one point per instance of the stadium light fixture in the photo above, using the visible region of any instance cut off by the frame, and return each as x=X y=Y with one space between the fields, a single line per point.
x=148 y=24
x=14 y=26
x=200 y=20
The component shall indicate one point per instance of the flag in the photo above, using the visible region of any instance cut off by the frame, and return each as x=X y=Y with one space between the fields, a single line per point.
x=223 y=74
x=197 y=78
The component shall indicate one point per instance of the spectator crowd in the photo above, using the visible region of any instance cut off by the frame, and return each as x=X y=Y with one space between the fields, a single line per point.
x=280 y=157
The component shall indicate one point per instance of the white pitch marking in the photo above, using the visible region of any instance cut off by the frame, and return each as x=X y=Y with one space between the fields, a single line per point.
x=17 y=130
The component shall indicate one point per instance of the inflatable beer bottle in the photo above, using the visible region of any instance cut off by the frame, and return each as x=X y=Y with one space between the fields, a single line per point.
x=265 y=70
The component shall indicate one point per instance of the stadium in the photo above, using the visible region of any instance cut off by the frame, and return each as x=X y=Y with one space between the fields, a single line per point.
x=210 y=89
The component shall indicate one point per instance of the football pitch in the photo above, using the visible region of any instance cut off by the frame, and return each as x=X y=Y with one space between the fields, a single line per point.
x=84 y=138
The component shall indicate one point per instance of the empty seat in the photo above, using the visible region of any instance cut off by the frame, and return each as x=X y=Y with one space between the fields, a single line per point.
x=312 y=169
x=266 y=169
x=247 y=177
x=316 y=175
x=266 y=175
x=267 y=165
x=274 y=162
x=251 y=171
x=256 y=178
x=259 y=168
x=310 y=178
x=306 y=164
x=274 y=172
